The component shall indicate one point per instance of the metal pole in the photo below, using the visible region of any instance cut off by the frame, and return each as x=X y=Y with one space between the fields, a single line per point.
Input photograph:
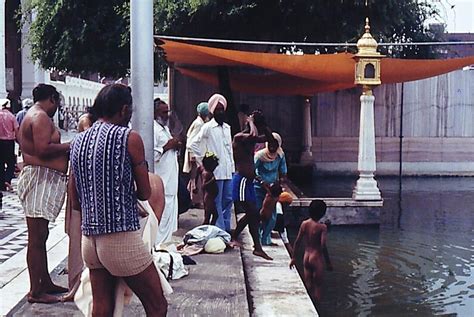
x=400 y=171
x=141 y=53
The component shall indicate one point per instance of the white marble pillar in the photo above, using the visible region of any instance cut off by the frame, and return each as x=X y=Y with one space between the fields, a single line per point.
x=307 y=155
x=27 y=65
x=141 y=40
x=31 y=73
x=3 y=81
x=366 y=187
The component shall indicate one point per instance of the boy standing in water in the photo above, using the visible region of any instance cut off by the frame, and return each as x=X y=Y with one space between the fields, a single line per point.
x=209 y=187
x=314 y=235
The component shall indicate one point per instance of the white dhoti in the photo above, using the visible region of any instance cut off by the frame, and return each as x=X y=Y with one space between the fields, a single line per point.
x=169 y=220
x=166 y=166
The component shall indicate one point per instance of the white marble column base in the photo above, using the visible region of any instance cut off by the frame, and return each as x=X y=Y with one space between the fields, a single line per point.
x=366 y=188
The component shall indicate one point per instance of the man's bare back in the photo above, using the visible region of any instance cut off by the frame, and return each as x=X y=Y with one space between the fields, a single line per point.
x=243 y=155
x=313 y=234
x=314 y=237
x=40 y=141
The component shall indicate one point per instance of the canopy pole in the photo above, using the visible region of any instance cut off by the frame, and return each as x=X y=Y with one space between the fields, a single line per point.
x=366 y=187
x=141 y=40
x=307 y=155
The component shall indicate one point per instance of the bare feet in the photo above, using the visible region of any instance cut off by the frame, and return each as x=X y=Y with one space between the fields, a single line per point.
x=43 y=298
x=235 y=244
x=271 y=244
x=54 y=289
x=69 y=297
x=262 y=254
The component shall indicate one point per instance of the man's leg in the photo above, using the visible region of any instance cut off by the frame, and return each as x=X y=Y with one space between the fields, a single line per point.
x=37 y=261
x=251 y=218
x=103 y=292
x=147 y=286
x=220 y=213
x=11 y=161
x=254 y=222
x=227 y=203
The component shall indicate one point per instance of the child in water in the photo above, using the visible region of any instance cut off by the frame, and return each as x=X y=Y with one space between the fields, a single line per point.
x=209 y=187
x=314 y=235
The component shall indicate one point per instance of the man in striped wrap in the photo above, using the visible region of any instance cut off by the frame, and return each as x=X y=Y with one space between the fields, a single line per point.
x=42 y=186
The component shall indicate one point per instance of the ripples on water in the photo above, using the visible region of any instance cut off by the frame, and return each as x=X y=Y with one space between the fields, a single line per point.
x=419 y=262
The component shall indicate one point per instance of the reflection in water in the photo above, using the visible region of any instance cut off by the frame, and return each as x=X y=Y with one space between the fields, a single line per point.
x=419 y=262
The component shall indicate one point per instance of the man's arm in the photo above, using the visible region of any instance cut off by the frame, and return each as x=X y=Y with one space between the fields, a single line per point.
x=162 y=144
x=197 y=143
x=297 y=245
x=283 y=170
x=136 y=150
x=267 y=135
x=72 y=192
x=44 y=148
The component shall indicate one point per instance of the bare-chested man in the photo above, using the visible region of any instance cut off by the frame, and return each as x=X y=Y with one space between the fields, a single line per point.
x=42 y=186
x=313 y=234
x=243 y=192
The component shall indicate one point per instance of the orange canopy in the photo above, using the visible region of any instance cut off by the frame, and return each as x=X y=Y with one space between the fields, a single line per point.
x=294 y=74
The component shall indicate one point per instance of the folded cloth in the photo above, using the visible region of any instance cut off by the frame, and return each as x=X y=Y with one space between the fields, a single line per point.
x=42 y=191
x=215 y=245
x=201 y=234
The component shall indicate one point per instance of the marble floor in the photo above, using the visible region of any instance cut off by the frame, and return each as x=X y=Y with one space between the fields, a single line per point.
x=14 y=280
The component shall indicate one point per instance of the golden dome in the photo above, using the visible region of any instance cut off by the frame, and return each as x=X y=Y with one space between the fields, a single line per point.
x=367 y=45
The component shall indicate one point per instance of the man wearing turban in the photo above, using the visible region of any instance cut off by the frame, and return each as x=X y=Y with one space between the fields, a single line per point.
x=215 y=136
x=190 y=166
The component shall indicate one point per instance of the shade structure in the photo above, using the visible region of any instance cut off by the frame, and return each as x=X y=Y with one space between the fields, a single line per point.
x=283 y=74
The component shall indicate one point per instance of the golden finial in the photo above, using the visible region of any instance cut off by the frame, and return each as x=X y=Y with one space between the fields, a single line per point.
x=367 y=26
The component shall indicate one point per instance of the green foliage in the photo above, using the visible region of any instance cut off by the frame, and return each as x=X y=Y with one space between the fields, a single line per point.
x=79 y=36
x=94 y=35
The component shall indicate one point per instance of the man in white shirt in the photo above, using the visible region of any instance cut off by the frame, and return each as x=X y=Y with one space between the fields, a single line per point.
x=166 y=166
x=215 y=136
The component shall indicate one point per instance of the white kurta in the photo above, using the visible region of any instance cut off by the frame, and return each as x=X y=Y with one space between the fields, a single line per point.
x=166 y=166
x=193 y=131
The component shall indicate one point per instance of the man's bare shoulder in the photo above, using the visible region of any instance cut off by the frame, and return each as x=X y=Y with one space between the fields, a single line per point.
x=310 y=223
x=38 y=116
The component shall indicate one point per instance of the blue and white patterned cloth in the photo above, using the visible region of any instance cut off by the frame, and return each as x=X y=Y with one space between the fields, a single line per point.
x=102 y=170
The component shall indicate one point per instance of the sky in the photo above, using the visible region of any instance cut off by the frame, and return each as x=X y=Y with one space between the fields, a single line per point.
x=457 y=14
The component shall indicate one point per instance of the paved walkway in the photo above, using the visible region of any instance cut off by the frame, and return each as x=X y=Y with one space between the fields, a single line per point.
x=215 y=286
x=218 y=285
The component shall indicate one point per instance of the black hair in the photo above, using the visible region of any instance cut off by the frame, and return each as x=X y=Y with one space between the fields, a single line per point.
x=317 y=209
x=44 y=92
x=258 y=118
x=157 y=102
x=275 y=189
x=208 y=160
x=92 y=114
x=111 y=99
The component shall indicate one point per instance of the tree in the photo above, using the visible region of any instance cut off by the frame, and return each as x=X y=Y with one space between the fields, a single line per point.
x=93 y=35
x=79 y=36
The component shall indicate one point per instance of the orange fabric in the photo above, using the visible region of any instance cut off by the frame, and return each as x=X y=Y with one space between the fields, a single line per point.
x=295 y=74
x=275 y=84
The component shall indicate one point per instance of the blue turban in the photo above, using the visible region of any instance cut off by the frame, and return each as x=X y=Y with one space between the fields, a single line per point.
x=203 y=108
